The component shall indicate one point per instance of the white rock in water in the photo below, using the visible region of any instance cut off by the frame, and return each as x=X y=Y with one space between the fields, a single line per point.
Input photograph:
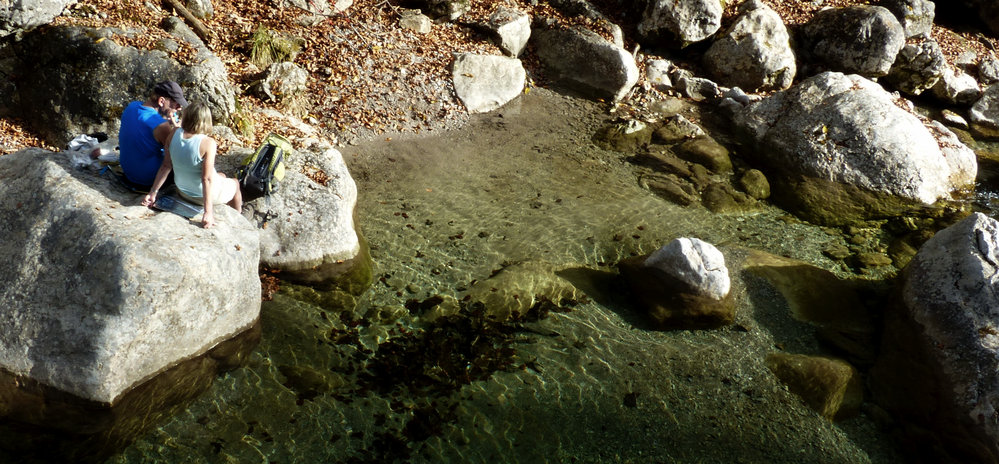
x=695 y=262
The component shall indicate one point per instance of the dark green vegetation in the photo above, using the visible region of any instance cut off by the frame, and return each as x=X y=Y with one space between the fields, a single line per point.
x=419 y=372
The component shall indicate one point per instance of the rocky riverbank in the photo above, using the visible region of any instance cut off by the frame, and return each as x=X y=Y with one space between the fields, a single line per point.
x=509 y=249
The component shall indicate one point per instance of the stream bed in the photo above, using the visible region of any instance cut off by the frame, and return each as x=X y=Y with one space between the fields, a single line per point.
x=339 y=379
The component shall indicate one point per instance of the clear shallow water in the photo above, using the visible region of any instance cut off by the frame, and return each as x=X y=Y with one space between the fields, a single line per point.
x=591 y=385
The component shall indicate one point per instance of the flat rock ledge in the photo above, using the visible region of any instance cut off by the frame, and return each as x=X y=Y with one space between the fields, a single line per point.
x=101 y=294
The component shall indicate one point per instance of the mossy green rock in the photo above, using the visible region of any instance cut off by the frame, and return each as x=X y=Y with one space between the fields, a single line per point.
x=625 y=136
x=671 y=188
x=678 y=128
x=511 y=292
x=830 y=203
x=707 y=152
x=830 y=386
x=669 y=303
x=723 y=198
x=820 y=298
x=755 y=184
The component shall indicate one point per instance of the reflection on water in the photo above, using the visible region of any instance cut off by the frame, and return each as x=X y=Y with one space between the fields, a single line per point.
x=593 y=384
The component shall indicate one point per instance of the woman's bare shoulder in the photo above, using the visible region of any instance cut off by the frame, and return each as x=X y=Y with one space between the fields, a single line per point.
x=208 y=144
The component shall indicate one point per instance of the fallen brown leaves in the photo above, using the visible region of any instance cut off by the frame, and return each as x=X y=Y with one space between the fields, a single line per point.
x=14 y=136
x=317 y=175
x=269 y=285
x=367 y=76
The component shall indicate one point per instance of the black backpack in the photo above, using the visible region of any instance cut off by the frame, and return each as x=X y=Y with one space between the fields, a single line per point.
x=260 y=172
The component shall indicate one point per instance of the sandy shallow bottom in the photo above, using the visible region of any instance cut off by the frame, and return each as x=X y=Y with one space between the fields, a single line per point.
x=596 y=384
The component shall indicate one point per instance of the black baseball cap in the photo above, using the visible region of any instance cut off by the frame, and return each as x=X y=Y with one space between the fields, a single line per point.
x=171 y=90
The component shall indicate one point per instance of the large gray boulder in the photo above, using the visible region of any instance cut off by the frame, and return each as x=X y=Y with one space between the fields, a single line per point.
x=307 y=226
x=988 y=70
x=940 y=351
x=17 y=16
x=77 y=80
x=100 y=294
x=847 y=151
x=512 y=30
x=917 y=67
x=754 y=53
x=486 y=82
x=860 y=39
x=585 y=62
x=594 y=18
x=202 y=9
x=915 y=16
x=449 y=9
x=680 y=22
x=956 y=87
x=283 y=81
x=985 y=113
x=320 y=7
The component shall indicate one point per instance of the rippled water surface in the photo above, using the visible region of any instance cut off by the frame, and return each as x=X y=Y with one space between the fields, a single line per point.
x=594 y=384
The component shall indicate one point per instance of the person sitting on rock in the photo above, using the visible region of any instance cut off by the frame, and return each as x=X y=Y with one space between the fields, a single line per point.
x=191 y=155
x=144 y=130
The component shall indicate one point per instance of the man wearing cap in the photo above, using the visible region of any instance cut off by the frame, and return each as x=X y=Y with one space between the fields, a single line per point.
x=144 y=131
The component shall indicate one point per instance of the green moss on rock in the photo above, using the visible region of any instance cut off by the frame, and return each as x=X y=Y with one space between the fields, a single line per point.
x=830 y=203
x=830 y=386
x=707 y=152
x=627 y=136
x=818 y=297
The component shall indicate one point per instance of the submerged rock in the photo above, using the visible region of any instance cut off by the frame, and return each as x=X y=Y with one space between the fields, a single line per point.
x=847 y=152
x=682 y=285
x=723 y=198
x=940 y=350
x=677 y=128
x=831 y=387
x=754 y=182
x=626 y=136
x=820 y=298
x=101 y=294
x=708 y=153
x=514 y=290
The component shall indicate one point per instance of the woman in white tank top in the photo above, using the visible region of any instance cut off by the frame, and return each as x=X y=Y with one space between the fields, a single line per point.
x=191 y=155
